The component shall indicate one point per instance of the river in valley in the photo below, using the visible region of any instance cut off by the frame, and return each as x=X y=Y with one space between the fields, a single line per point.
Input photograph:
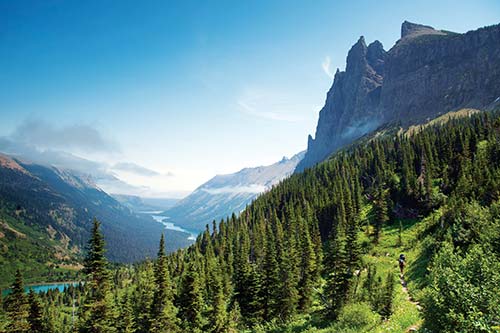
x=170 y=225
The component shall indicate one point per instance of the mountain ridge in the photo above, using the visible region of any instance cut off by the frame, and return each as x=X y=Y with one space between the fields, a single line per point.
x=230 y=193
x=58 y=205
x=426 y=73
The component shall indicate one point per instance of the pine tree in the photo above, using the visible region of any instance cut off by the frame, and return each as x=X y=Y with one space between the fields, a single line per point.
x=17 y=307
x=97 y=313
x=271 y=278
x=217 y=317
x=337 y=274
x=163 y=312
x=248 y=287
x=381 y=213
x=143 y=296
x=191 y=304
x=386 y=297
x=35 y=314
x=369 y=285
x=352 y=247
x=307 y=268
x=127 y=321
x=234 y=318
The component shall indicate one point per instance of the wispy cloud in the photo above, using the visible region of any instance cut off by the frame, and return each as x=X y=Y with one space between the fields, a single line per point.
x=253 y=188
x=253 y=111
x=272 y=106
x=138 y=169
x=81 y=137
x=326 y=65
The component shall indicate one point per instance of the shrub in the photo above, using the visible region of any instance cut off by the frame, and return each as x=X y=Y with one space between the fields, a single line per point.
x=356 y=316
x=464 y=293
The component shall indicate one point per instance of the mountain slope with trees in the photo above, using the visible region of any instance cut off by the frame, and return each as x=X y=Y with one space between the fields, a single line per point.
x=45 y=221
x=318 y=252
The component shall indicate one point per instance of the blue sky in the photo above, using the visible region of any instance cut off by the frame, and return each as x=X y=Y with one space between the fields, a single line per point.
x=189 y=89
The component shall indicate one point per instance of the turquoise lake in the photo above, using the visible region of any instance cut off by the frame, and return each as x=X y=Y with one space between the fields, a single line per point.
x=44 y=287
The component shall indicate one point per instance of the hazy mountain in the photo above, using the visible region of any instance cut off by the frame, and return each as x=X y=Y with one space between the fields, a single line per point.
x=225 y=194
x=425 y=74
x=62 y=203
x=140 y=204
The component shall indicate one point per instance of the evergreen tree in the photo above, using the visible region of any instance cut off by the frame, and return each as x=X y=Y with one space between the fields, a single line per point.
x=143 y=296
x=35 y=314
x=381 y=213
x=234 y=318
x=352 y=247
x=337 y=274
x=387 y=296
x=97 y=312
x=191 y=304
x=163 y=312
x=217 y=317
x=271 y=278
x=307 y=267
x=127 y=321
x=17 y=307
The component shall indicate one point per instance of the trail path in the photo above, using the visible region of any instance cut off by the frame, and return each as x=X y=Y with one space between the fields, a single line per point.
x=410 y=299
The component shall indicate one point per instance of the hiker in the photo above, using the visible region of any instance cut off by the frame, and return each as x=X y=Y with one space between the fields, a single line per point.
x=402 y=263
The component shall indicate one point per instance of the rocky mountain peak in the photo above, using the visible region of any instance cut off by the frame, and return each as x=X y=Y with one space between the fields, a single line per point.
x=375 y=55
x=357 y=55
x=409 y=29
x=416 y=80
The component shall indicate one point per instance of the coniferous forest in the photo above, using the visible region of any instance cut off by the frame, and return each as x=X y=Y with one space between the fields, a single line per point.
x=318 y=252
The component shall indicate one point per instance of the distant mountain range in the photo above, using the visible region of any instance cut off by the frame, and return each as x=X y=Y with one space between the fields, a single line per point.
x=141 y=204
x=225 y=194
x=52 y=209
x=427 y=73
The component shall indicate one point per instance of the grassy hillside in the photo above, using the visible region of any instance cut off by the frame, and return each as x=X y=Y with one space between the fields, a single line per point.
x=34 y=252
x=399 y=236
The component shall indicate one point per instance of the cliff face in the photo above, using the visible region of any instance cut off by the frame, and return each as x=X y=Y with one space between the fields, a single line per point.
x=426 y=73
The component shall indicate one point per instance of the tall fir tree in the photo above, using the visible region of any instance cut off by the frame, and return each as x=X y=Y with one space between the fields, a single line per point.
x=190 y=302
x=163 y=312
x=127 y=320
x=381 y=212
x=143 y=296
x=35 y=318
x=271 y=278
x=97 y=314
x=337 y=274
x=308 y=263
x=17 y=307
x=217 y=316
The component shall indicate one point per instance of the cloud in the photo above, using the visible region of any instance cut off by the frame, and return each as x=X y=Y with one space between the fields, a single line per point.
x=138 y=169
x=270 y=106
x=253 y=188
x=49 y=157
x=80 y=137
x=111 y=184
x=326 y=65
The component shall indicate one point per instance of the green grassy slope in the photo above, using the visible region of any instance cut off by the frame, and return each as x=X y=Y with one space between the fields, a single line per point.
x=32 y=251
x=359 y=316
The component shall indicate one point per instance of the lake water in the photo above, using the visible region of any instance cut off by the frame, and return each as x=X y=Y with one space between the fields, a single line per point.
x=44 y=287
x=170 y=225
